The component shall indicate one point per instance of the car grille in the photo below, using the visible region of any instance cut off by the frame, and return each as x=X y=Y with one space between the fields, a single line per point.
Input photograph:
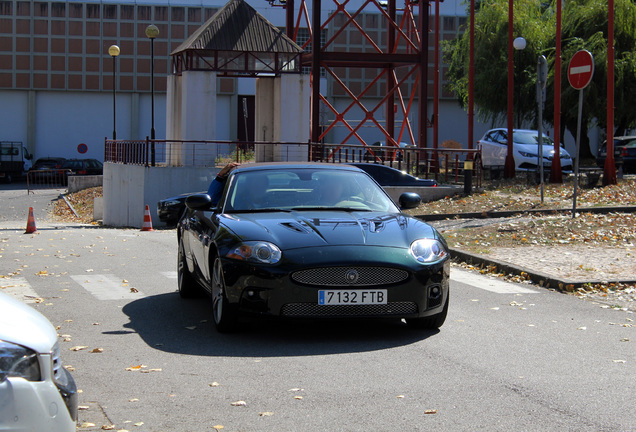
x=315 y=310
x=350 y=276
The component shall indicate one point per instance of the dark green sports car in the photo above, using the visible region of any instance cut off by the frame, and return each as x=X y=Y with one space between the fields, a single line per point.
x=307 y=240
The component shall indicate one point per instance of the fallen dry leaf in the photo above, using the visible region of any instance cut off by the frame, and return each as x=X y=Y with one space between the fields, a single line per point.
x=98 y=350
x=78 y=348
x=87 y=425
x=239 y=403
x=266 y=414
x=430 y=411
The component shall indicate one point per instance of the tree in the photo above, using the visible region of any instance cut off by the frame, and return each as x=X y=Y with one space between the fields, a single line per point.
x=584 y=26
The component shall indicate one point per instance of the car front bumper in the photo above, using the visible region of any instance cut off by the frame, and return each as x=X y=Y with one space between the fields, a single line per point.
x=38 y=405
x=277 y=291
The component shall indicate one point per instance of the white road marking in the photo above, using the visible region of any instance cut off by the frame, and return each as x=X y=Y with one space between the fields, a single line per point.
x=170 y=274
x=107 y=287
x=19 y=288
x=489 y=284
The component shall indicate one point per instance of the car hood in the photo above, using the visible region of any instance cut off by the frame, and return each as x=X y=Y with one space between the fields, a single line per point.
x=548 y=150
x=23 y=325
x=290 y=230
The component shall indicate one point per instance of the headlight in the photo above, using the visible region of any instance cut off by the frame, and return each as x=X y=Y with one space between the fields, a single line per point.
x=428 y=250
x=528 y=155
x=171 y=203
x=260 y=252
x=18 y=361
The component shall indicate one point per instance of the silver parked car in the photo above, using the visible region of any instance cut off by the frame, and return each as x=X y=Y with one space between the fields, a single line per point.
x=525 y=150
x=36 y=392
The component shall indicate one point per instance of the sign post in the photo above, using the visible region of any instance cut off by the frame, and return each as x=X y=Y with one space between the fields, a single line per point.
x=580 y=72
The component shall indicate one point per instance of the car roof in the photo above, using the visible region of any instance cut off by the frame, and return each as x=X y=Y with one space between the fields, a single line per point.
x=293 y=165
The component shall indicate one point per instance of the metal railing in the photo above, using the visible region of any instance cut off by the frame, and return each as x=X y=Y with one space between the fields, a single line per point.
x=46 y=179
x=449 y=166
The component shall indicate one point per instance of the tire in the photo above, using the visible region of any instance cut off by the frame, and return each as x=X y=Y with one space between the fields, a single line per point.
x=188 y=287
x=432 y=322
x=225 y=314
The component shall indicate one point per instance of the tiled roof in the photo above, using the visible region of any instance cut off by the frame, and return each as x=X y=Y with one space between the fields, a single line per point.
x=238 y=27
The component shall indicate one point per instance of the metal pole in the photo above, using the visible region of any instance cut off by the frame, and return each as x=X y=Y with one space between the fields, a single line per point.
x=578 y=148
x=114 y=111
x=152 y=99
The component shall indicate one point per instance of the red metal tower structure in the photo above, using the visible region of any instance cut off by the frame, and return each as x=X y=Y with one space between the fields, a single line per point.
x=394 y=62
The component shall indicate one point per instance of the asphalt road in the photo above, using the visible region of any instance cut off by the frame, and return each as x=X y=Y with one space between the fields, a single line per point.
x=510 y=357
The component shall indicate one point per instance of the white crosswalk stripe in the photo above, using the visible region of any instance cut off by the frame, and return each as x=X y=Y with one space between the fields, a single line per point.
x=19 y=288
x=107 y=287
x=488 y=283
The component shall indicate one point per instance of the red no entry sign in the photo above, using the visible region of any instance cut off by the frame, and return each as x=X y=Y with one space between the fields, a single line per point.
x=581 y=69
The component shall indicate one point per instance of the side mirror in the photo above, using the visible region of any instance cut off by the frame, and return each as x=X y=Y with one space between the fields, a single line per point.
x=199 y=202
x=409 y=200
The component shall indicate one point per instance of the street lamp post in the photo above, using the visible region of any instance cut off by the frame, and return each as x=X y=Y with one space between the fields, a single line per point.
x=152 y=31
x=519 y=45
x=113 y=51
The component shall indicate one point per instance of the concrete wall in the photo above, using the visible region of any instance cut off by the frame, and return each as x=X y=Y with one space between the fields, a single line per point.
x=77 y=183
x=129 y=188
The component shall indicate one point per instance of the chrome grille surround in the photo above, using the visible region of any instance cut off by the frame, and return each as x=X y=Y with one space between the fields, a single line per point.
x=350 y=276
x=316 y=310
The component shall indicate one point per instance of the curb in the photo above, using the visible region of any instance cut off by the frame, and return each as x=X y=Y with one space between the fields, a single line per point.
x=505 y=214
x=541 y=279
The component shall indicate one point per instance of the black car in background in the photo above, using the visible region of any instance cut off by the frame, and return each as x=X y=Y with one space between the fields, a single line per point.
x=624 y=153
x=83 y=167
x=388 y=176
x=317 y=241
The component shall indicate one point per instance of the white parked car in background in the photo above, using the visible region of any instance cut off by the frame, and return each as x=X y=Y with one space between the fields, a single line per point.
x=36 y=392
x=525 y=150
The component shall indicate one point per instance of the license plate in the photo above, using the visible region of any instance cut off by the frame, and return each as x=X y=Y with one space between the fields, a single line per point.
x=351 y=297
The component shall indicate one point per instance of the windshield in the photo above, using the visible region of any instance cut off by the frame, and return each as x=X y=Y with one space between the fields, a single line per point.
x=530 y=138
x=305 y=189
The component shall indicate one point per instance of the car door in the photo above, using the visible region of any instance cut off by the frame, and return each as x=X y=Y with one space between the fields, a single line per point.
x=200 y=230
x=493 y=149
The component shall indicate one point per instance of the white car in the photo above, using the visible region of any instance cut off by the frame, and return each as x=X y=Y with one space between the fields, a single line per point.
x=36 y=392
x=525 y=150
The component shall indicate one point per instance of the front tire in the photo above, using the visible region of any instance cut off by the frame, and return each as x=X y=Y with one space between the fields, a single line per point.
x=188 y=287
x=225 y=314
x=432 y=322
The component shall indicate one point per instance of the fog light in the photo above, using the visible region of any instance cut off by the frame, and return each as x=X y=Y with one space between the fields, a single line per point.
x=250 y=293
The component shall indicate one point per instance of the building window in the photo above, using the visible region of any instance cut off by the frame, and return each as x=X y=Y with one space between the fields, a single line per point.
x=76 y=10
x=110 y=11
x=127 y=12
x=92 y=11
x=6 y=8
x=143 y=13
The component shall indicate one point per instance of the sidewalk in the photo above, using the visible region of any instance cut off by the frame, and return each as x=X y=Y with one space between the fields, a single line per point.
x=564 y=267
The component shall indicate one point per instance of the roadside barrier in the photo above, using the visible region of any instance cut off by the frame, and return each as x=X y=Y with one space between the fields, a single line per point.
x=46 y=179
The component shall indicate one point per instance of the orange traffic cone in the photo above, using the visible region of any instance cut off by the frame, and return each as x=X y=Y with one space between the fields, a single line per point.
x=147 y=226
x=30 y=223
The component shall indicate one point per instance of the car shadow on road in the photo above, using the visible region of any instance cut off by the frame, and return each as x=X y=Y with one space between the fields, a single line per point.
x=168 y=323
